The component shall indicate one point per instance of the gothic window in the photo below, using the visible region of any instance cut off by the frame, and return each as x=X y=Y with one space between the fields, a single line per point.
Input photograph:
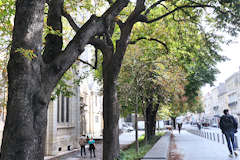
x=63 y=111
x=62 y=108
x=67 y=110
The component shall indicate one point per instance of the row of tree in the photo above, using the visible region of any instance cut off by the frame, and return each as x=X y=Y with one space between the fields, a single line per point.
x=36 y=66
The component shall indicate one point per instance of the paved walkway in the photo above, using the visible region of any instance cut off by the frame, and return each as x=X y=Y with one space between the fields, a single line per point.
x=124 y=139
x=160 y=149
x=193 y=147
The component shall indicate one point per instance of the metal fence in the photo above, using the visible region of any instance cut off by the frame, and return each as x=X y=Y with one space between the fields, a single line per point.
x=217 y=137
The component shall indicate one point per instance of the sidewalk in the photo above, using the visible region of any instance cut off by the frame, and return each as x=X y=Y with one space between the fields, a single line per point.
x=124 y=139
x=193 y=147
x=160 y=149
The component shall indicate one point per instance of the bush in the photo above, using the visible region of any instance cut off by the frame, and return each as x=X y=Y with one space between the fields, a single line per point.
x=130 y=152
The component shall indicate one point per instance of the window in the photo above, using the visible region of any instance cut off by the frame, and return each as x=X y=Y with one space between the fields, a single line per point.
x=96 y=119
x=63 y=111
x=67 y=110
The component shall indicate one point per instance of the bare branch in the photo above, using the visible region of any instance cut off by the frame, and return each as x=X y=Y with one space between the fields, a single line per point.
x=178 y=8
x=94 y=67
x=153 y=6
x=149 y=39
x=70 y=20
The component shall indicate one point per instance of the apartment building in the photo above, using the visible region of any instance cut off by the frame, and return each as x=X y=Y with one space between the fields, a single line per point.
x=224 y=96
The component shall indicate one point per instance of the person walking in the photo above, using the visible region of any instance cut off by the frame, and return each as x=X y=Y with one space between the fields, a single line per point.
x=229 y=126
x=82 y=143
x=91 y=143
x=179 y=127
x=199 y=126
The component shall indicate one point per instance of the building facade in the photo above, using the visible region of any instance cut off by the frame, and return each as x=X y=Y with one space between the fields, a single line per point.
x=71 y=117
x=224 y=96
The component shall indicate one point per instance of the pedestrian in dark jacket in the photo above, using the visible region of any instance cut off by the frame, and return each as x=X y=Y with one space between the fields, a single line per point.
x=82 y=143
x=179 y=127
x=229 y=126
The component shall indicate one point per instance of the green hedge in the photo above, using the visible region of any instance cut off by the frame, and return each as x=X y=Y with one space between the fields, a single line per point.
x=130 y=152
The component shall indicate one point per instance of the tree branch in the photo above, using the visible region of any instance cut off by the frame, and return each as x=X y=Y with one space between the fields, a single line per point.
x=54 y=42
x=94 y=67
x=94 y=26
x=99 y=44
x=176 y=9
x=149 y=39
x=153 y=6
x=70 y=20
x=133 y=17
x=120 y=23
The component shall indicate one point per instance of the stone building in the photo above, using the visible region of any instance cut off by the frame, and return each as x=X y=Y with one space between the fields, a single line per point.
x=81 y=114
x=222 y=99
x=224 y=96
x=69 y=118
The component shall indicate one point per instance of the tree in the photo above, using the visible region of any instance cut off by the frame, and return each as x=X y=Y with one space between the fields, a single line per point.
x=34 y=70
x=150 y=78
x=33 y=73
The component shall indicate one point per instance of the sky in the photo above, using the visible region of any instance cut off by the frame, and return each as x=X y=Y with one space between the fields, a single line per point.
x=227 y=68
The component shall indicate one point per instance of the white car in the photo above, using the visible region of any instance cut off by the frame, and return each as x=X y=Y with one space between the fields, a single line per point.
x=126 y=128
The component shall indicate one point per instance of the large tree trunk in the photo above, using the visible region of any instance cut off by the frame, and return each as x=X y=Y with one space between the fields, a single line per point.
x=32 y=79
x=111 y=113
x=173 y=122
x=150 y=121
x=25 y=127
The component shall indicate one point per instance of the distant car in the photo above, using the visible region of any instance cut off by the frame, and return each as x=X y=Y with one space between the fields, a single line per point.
x=205 y=124
x=214 y=125
x=126 y=128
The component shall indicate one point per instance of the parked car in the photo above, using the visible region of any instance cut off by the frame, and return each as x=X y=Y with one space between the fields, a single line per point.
x=126 y=128
x=214 y=125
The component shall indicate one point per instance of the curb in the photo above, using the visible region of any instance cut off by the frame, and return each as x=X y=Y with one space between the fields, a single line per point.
x=160 y=150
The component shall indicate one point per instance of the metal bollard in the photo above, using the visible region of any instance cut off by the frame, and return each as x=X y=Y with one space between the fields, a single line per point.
x=210 y=136
x=236 y=141
x=218 y=138
x=214 y=136
x=207 y=136
x=223 y=138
